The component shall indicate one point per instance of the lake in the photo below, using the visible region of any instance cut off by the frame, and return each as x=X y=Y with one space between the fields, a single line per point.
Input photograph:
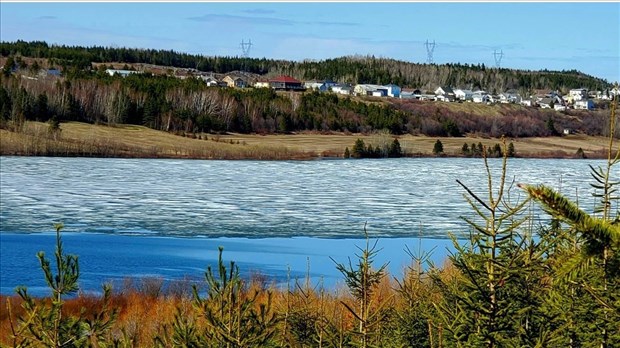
x=166 y=218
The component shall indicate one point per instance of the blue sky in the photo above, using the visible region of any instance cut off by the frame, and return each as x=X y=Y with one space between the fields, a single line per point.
x=533 y=36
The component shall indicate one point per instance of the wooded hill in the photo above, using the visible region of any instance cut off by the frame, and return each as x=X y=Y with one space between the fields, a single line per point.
x=171 y=104
x=353 y=69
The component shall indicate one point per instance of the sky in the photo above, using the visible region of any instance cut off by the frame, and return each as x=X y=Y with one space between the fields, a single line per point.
x=555 y=35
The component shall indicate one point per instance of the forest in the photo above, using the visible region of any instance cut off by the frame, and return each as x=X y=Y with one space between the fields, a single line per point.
x=189 y=106
x=352 y=69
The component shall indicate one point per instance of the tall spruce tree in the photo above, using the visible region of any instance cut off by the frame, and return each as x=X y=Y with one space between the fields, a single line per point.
x=587 y=276
x=490 y=301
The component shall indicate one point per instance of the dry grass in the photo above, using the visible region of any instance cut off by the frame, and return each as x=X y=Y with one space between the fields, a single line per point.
x=81 y=139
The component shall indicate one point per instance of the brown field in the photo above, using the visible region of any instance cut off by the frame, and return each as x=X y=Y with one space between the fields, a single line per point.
x=81 y=139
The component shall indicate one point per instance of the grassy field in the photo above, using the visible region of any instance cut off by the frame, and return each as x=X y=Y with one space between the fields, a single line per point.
x=80 y=139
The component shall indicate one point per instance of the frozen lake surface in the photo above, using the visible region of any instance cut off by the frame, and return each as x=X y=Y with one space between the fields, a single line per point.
x=166 y=218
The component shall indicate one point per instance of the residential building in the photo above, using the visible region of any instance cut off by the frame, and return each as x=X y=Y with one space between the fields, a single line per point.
x=463 y=94
x=481 y=97
x=393 y=90
x=578 y=94
x=586 y=104
x=342 y=89
x=234 y=81
x=444 y=93
x=286 y=83
x=123 y=73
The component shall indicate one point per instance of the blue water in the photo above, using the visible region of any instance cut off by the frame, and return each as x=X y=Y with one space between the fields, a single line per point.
x=165 y=218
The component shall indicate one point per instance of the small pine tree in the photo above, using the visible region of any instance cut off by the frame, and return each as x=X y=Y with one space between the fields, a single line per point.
x=395 y=149
x=465 y=150
x=347 y=154
x=45 y=323
x=233 y=316
x=511 y=150
x=438 y=147
x=580 y=153
x=359 y=149
x=362 y=281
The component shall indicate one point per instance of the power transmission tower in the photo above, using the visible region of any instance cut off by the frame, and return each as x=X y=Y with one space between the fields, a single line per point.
x=498 y=57
x=245 y=50
x=430 y=47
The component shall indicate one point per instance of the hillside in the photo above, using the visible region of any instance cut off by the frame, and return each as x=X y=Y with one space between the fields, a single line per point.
x=353 y=69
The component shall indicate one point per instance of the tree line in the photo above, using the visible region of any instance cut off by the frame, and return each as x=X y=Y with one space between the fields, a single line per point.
x=351 y=69
x=175 y=105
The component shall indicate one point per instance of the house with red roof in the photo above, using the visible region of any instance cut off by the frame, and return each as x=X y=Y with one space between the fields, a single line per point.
x=286 y=83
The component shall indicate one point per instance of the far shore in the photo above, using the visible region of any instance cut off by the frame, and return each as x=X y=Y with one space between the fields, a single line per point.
x=130 y=141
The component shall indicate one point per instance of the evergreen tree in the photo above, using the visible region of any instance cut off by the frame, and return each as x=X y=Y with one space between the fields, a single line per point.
x=479 y=307
x=438 y=148
x=395 y=150
x=45 y=323
x=347 y=154
x=595 y=267
x=234 y=318
x=359 y=149
x=511 y=150
x=362 y=280
x=465 y=150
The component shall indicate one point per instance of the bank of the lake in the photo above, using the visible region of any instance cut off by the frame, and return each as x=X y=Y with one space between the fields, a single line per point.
x=87 y=140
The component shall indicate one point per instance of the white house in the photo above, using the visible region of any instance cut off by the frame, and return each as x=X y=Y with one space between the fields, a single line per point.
x=578 y=94
x=463 y=94
x=209 y=80
x=481 y=97
x=342 y=89
x=322 y=86
x=368 y=89
x=123 y=73
x=528 y=102
x=510 y=96
x=444 y=93
x=586 y=104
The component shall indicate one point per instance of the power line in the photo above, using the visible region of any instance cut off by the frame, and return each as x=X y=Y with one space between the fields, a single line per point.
x=245 y=51
x=430 y=48
x=498 y=57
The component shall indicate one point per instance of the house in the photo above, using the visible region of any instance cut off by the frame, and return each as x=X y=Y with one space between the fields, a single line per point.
x=392 y=90
x=546 y=103
x=234 y=81
x=368 y=89
x=286 y=83
x=123 y=73
x=578 y=94
x=463 y=94
x=209 y=80
x=261 y=83
x=528 y=102
x=481 y=97
x=586 y=104
x=321 y=86
x=444 y=93
x=510 y=96
x=342 y=89
x=559 y=107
